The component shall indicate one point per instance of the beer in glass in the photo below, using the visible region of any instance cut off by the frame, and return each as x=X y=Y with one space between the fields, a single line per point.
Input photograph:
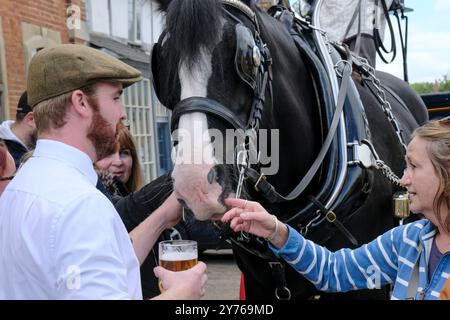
x=177 y=255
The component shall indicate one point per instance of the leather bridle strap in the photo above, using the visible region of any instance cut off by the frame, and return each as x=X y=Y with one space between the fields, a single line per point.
x=205 y=105
x=267 y=189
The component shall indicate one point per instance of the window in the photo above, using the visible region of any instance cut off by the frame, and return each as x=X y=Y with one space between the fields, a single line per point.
x=35 y=50
x=140 y=116
x=135 y=8
x=164 y=139
x=36 y=38
x=165 y=162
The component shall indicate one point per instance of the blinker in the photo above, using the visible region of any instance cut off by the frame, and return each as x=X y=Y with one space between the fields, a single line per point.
x=248 y=56
x=256 y=56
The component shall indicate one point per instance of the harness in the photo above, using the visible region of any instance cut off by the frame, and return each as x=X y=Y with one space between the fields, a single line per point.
x=352 y=142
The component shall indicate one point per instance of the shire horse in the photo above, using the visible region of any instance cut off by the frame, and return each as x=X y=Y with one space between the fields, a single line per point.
x=223 y=65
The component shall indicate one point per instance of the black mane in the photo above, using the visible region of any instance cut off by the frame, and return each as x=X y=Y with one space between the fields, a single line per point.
x=190 y=25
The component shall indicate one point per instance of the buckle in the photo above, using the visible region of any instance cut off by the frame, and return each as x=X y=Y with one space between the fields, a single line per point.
x=275 y=264
x=331 y=217
x=261 y=177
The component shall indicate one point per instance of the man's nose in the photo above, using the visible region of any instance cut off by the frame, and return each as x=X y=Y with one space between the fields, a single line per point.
x=123 y=115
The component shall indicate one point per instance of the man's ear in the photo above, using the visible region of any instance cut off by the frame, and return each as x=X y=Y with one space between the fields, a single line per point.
x=79 y=102
x=29 y=118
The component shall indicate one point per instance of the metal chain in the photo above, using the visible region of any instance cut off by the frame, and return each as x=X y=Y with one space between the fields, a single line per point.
x=381 y=95
x=388 y=173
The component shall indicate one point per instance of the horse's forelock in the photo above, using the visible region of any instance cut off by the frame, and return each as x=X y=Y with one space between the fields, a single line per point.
x=192 y=25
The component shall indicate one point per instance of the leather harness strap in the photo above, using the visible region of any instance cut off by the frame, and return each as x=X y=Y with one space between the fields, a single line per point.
x=331 y=217
x=266 y=188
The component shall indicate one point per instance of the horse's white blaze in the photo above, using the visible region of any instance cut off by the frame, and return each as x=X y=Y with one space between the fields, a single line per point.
x=196 y=158
x=194 y=83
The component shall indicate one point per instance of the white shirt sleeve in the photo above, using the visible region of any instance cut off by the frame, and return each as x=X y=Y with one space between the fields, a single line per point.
x=91 y=252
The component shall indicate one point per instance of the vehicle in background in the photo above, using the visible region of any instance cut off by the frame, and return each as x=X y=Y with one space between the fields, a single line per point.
x=438 y=104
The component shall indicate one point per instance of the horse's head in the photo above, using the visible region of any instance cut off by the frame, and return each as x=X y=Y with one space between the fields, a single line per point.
x=212 y=69
x=205 y=70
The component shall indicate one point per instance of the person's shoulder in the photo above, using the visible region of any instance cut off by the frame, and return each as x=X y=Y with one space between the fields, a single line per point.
x=410 y=233
x=414 y=226
x=91 y=202
x=52 y=184
x=418 y=226
x=92 y=210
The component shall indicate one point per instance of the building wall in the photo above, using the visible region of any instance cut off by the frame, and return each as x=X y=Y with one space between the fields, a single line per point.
x=26 y=26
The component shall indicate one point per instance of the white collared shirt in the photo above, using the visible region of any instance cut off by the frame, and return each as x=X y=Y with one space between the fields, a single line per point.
x=61 y=238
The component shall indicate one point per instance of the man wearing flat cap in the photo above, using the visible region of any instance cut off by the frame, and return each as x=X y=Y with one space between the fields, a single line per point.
x=20 y=135
x=61 y=238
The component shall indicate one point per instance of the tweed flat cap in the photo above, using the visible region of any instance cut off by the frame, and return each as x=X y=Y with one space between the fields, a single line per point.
x=60 y=69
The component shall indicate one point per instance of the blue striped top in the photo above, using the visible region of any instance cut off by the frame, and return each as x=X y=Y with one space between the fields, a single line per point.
x=396 y=257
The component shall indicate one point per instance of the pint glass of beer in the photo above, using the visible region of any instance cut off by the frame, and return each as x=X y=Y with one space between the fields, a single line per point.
x=177 y=255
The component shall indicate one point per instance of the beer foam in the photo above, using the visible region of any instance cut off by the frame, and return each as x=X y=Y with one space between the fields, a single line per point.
x=178 y=256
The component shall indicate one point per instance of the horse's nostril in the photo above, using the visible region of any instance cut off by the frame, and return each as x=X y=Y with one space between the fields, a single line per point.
x=220 y=175
x=216 y=174
x=212 y=175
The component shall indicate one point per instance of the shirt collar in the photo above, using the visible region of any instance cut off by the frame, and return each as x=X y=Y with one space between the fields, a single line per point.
x=72 y=156
x=428 y=231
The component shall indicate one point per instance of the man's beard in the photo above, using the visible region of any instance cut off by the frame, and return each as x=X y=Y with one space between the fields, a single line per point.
x=101 y=134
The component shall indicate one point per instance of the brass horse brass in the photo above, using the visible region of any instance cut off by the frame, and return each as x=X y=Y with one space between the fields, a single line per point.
x=401 y=204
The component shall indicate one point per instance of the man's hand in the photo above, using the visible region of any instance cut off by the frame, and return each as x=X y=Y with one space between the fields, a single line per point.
x=182 y=285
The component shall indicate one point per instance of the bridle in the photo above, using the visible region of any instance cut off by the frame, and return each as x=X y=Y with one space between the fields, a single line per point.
x=253 y=66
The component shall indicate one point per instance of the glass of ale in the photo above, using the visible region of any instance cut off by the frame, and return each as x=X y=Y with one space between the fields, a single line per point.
x=177 y=255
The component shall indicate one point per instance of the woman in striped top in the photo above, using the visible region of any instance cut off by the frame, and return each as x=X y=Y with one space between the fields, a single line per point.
x=415 y=257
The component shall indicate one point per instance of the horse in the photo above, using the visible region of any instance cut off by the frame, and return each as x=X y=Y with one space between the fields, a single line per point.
x=225 y=65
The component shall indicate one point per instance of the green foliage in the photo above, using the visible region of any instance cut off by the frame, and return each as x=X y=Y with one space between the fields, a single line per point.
x=440 y=85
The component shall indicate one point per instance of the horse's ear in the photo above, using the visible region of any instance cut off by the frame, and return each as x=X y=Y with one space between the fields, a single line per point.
x=163 y=4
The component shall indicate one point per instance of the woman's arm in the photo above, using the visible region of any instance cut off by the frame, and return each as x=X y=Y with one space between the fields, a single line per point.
x=137 y=206
x=369 y=266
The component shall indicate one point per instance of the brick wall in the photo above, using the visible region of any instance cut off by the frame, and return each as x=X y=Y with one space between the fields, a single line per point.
x=50 y=14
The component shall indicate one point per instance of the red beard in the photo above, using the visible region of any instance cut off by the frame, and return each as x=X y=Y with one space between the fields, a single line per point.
x=101 y=133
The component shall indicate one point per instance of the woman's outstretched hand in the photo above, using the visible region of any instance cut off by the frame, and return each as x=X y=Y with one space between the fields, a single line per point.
x=251 y=217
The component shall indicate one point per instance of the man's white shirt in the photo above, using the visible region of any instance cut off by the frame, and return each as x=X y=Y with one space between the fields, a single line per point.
x=61 y=238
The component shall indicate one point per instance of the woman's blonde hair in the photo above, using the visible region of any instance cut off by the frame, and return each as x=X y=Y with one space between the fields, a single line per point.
x=437 y=135
x=126 y=141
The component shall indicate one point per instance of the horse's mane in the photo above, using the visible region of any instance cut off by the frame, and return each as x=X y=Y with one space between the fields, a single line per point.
x=190 y=26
